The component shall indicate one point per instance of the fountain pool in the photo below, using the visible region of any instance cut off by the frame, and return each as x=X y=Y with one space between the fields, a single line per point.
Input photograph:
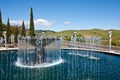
x=77 y=65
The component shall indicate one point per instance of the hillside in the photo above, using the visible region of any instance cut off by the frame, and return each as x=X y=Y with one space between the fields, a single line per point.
x=97 y=32
x=47 y=32
x=66 y=34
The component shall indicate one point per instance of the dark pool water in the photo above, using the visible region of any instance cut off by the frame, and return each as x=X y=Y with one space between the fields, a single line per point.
x=77 y=65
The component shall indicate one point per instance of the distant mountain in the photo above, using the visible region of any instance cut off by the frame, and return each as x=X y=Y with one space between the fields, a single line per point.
x=45 y=31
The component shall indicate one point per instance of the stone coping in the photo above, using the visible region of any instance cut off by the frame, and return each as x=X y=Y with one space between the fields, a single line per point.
x=105 y=51
x=7 y=49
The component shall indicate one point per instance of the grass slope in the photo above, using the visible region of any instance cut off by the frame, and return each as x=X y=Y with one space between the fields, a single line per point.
x=66 y=34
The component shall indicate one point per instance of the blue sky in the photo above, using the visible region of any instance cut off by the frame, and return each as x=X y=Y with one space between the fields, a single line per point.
x=61 y=15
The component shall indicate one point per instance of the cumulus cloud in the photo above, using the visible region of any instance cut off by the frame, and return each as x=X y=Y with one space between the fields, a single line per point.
x=67 y=22
x=42 y=22
x=16 y=22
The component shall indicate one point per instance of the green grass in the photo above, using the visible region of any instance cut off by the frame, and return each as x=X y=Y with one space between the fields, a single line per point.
x=66 y=34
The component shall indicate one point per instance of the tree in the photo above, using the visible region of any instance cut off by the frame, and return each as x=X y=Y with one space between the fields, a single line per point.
x=31 y=33
x=16 y=35
x=23 y=33
x=8 y=34
x=1 y=24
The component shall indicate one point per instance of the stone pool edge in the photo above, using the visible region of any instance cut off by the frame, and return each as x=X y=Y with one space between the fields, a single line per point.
x=7 y=49
x=105 y=51
x=112 y=52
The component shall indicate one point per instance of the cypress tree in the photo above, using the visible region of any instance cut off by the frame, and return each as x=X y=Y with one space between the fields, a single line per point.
x=1 y=24
x=8 y=34
x=31 y=33
x=23 y=33
x=16 y=35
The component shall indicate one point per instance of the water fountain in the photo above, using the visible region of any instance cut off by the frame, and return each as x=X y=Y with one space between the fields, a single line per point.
x=92 y=43
x=39 y=51
x=88 y=42
x=34 y=53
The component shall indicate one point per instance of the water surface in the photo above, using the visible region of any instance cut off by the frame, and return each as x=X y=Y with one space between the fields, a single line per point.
x=77 y=65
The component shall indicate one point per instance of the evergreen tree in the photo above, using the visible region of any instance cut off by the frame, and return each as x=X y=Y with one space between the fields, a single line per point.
x=16 y=35
x=23 y=33
x=1 y=24
x=31 y=33
x=8 y=34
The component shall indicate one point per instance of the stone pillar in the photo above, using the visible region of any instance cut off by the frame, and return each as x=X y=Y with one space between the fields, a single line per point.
x=75 y=39
x=5 y=38
x=110 y=39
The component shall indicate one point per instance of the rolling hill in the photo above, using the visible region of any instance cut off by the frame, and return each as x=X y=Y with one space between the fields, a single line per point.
x=66 y=34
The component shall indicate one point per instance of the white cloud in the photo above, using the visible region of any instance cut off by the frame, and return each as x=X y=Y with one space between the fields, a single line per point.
x=42 y=22
x=18 y=22
x=67 y=22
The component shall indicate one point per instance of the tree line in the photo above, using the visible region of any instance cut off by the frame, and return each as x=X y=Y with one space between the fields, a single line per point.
x=16 y=30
